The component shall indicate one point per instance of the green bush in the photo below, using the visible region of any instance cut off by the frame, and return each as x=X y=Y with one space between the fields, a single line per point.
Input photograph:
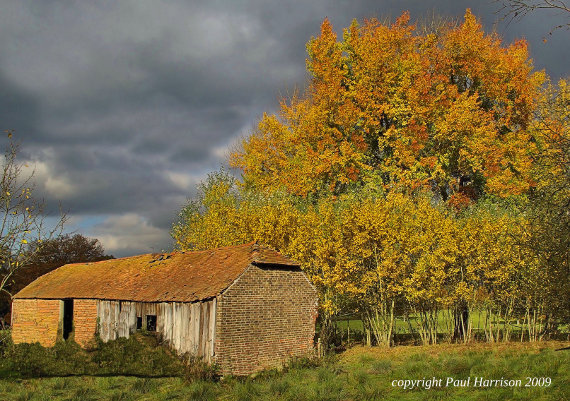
x=5 y=340
x=66 y=358
x=140 y=355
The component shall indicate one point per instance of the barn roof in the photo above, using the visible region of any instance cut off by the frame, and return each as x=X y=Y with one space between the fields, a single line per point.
x=170 y=277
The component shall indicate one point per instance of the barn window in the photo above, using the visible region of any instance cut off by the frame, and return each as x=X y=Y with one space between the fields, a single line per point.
x=139 y=322
x=151 y=322
x=67 y=318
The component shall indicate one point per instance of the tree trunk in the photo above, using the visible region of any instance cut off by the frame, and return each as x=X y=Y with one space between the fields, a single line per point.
x=461 y=320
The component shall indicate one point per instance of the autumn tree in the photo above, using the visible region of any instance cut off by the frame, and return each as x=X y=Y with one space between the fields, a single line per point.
x=388 y=178
x=392 y=109
x=385 y=256
x=549 y=212
x=447 y=111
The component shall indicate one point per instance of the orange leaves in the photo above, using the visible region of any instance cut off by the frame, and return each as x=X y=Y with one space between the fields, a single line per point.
x=419 y=108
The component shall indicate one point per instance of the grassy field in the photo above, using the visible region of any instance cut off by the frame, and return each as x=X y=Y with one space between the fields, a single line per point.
x=405 y=332
x=361 y=373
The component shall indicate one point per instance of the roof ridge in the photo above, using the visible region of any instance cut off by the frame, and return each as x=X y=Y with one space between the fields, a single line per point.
x=153 y=254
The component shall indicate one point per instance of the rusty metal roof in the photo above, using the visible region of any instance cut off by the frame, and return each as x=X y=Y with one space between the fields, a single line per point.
x=169 y=277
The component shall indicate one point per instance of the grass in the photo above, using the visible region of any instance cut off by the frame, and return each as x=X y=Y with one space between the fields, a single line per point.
x=403 y=335
x=360 y=373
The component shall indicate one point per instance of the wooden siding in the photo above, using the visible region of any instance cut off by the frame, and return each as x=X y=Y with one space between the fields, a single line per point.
x=186 y=327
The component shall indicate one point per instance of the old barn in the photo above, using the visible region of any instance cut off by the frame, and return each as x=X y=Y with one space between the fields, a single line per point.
x=244 y=307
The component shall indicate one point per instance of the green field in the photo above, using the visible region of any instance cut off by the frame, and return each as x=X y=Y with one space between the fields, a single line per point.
x=351 y=328
x=360 y=373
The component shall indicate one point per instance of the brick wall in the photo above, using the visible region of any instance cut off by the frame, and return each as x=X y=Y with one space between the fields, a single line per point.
x=84 y=320
x=266 y=317
x=36 y=320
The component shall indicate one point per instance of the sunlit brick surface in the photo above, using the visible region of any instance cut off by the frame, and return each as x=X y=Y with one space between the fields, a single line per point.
x=35 y=320
x=266 y=317
x=84 y=320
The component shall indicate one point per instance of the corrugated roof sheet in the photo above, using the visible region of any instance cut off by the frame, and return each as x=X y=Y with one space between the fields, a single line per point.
x=170 y=277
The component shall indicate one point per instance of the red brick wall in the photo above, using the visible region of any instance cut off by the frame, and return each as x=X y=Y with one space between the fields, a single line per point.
x=84 y=320
x=266 y=317
x=35 y=320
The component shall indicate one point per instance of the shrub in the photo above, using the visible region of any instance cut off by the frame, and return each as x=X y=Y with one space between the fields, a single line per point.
x=140 y=355
x=5 y=341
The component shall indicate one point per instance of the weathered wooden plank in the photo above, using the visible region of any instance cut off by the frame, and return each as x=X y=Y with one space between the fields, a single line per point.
x=122 y=329
x=178 y=327
x=162 y=325
x=173 y=326
x=158 y=313
x=104 y=320
x=200 y=337
x=100 y=318
x=185 y=327
x=160 y=320
x=181 y=327
x=127 y=319
x=108 y=321
x=114 y=315
x=132 y=323
x=212 y=330
x=169 y=326
x=205 y=317
x=150 y=308
x=195 y=327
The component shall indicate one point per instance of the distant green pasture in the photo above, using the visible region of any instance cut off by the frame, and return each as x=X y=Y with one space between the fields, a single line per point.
x=406 y=330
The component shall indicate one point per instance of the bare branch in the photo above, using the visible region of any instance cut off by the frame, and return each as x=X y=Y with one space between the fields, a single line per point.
x=22 y=218
x=517 y=9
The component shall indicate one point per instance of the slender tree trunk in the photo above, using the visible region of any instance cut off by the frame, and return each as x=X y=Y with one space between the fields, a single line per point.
x=461 y=318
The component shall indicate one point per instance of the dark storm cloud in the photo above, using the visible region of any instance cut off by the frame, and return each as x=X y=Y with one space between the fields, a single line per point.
x=125 y=106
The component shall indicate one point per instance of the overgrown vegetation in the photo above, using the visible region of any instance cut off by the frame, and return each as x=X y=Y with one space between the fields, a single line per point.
x=140 y=355
x=362 y=373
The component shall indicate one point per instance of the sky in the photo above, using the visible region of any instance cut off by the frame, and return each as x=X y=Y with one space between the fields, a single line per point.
x=122 y=107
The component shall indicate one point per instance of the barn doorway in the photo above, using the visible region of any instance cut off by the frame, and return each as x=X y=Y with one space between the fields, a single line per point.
x=67 y=318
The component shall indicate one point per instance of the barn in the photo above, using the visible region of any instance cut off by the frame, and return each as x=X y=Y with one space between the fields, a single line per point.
x=244 y=307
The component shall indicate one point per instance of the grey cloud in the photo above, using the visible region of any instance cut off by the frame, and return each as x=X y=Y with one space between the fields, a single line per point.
x=126 y=105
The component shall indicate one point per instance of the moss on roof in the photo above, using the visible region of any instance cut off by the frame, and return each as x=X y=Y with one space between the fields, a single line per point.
x=169 y=277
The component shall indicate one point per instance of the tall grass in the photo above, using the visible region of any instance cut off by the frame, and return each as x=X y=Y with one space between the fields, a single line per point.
x=361 y=373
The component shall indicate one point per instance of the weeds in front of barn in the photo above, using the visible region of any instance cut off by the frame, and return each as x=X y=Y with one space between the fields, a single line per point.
x=361 y=373
x=141 y=355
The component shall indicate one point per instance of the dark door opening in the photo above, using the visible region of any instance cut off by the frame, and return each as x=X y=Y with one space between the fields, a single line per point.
x=151 y=322
x=67 y=318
